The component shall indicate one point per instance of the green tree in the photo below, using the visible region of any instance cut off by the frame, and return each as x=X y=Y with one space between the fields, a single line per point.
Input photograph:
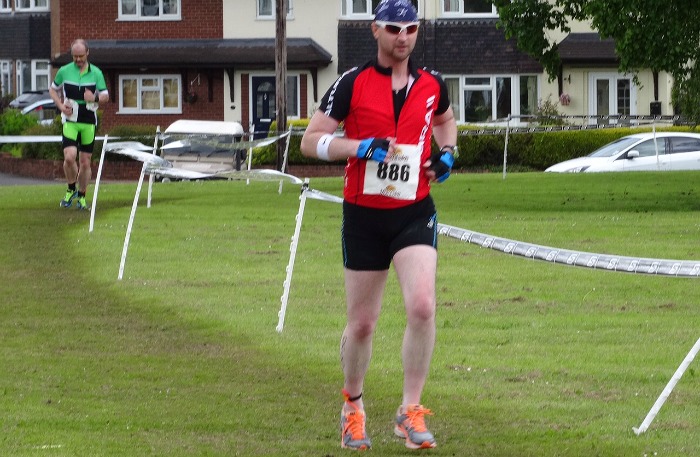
x=648 y=34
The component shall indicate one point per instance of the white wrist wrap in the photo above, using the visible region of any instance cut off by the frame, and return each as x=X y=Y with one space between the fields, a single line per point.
x=322 y=147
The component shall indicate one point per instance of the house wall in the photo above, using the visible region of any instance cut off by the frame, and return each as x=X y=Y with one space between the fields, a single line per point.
x=315 y=19
x=577 y=81
x=454 y=46
x=201 y=108
x=200 y=19
x=24 y=36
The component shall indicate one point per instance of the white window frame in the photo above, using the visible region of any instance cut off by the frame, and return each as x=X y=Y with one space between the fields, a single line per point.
x=613 y=79
x=6 y=77
x=44 y=71
x=34 y=72
x=137 y=16
x=33 y=5
x=347 y=12
x=273 y=9
x=460 y=11
x=459 y=104
x=6 y=6
x=139 y=79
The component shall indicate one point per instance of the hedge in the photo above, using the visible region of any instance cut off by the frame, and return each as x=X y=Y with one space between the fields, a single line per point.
x=484 y=150
x=478 y=150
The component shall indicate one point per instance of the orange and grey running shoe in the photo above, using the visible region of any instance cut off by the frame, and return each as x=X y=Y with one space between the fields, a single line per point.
x=352 y=428
x=410 y=425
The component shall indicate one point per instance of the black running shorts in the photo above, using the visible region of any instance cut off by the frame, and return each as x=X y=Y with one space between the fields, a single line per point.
x=371 y=237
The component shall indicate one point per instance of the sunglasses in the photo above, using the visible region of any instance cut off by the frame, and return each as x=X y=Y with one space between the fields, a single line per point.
x=396 y=28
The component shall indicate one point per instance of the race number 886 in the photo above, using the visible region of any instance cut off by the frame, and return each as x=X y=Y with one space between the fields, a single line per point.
x=394 y=171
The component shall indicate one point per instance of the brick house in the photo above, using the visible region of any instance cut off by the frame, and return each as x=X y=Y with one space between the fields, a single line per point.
x=25 y=46
x=215 y=59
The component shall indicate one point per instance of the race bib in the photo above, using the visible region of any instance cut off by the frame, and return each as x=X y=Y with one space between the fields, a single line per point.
x=74 y=115
x=397 y=178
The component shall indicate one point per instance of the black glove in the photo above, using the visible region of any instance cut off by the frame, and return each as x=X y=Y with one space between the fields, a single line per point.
x=441 y=163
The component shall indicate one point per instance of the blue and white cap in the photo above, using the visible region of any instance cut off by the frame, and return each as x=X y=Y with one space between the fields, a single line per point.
x=395 y=11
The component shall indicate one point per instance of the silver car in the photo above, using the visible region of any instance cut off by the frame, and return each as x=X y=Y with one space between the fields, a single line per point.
x=29 y=97
x=660 y=151
x=44 y=110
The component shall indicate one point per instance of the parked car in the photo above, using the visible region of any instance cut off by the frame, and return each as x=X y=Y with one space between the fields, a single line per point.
x=29 y=97
x=44 y=110
x=639 y=152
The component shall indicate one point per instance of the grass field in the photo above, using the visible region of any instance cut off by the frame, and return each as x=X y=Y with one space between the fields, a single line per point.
x=181 y=357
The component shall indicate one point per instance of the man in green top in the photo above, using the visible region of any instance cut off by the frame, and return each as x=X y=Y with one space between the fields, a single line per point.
x=77 y=90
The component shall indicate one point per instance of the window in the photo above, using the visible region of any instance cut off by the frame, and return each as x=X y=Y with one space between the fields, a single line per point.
x=41 y=72
x=528 y=95
x=648 y=148
x=5 y=77
x=293 y=96
x=363 y=8
x=150 y=94
x=472 y=8
x=477 y=99
x=624 y=97
x=680 y=145
x=31 y=5
x=32 y=75
x=267 y=8
x=453 y=91
x=149 y=10
x=5 y=6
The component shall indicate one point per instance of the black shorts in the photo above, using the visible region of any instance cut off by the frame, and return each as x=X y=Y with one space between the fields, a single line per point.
x=371 y=237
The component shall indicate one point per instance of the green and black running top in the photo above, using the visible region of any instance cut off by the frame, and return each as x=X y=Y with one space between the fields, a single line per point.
x=74 y=84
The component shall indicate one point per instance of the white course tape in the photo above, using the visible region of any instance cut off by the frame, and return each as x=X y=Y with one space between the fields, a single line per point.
x=527 y=250
x=682 y=268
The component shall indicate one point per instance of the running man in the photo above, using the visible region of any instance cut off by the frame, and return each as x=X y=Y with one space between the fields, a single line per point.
x=391 y=111
x=78 y=89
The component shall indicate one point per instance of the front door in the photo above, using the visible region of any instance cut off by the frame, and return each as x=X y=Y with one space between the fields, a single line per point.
x=263 y=103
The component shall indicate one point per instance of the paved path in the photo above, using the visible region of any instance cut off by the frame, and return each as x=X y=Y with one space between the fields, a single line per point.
x=13 y=180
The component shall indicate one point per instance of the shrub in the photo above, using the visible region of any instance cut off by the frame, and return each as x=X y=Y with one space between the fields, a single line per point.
x=48 y=151
x=5 y=101
x=534 y=150
x=13 y=122
x=267 y=155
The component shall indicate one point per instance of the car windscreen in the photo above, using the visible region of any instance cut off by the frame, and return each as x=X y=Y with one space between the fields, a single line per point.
x=613 y=148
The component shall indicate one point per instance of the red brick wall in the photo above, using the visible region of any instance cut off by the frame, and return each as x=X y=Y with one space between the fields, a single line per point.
x=202 y=108
x=96 y=19
x=304 y=105
x=53 y=169
x=245 y=101
x=130 y=170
